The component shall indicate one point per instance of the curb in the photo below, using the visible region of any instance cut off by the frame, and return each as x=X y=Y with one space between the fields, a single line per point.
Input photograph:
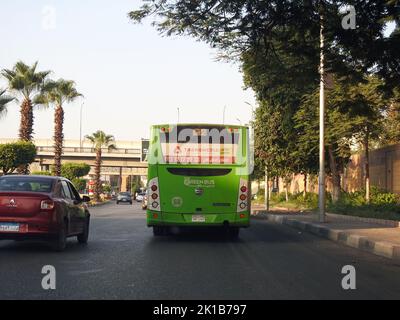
x=389 y=223
x=380 y=248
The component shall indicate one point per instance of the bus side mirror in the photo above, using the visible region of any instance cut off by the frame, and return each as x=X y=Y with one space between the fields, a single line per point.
x=85 y=199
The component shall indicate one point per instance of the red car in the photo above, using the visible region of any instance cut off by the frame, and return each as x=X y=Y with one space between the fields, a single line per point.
x=43 y=208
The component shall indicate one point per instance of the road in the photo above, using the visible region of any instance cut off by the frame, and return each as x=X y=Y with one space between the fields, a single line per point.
x=124 y=261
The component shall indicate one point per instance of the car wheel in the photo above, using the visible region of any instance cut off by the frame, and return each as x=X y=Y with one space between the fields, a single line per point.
x=131 y=202
x=117 y=202
x=84 y=236
x=61 y=240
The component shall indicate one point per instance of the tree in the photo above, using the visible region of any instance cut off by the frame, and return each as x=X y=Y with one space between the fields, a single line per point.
x=366 y=105
x=391 y=123
x=235 y=26
x=100 y=140
x=58 y=93
x=27 y=82
x=74 y=170
x=15 y=155
x=4 y=100
x=277 y=43
x=279 y=81
x=338 y=135
x=80 y=184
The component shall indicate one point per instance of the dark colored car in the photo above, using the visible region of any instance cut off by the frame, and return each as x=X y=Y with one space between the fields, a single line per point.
x=42 y=208
x=124 y=197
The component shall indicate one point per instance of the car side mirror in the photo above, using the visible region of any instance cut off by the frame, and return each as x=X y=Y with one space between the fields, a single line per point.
x=85 y=199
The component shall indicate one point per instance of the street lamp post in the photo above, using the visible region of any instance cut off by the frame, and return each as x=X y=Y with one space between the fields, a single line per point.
x=321 y=184
x=80 y=127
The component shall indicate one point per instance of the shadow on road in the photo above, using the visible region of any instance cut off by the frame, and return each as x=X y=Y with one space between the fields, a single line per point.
x=197 y=235
x=258 y=232
x=25 y=247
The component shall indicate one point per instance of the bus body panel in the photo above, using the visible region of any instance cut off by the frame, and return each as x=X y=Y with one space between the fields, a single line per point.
x=196 y=195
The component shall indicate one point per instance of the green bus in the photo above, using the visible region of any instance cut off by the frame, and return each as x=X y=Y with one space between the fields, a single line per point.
x=198 y=175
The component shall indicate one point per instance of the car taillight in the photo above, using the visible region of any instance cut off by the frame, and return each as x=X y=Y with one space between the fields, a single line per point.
x=243 y=200
x=154 y=195
x=47 y=205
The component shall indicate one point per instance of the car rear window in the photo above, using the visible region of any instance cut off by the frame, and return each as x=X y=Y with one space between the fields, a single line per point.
x=26 y=184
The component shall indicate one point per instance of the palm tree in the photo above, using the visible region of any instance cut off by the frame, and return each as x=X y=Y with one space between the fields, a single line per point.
x=4 y=100
x=100 y=140
x=57 y=94
x=25 y=81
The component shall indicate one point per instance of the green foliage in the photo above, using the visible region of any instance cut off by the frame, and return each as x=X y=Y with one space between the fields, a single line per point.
x=107 y=188
x=277 y=43
x=74 y=170
x=100 y=139
x=278 y=197
x=14 y=155
x=4 y=100
x=41 y=173
x=391 y=125
x=237 y=26
x=25 y=80
x=80 y=184
x=57 y=93
x=310 y=200
x=383 y=205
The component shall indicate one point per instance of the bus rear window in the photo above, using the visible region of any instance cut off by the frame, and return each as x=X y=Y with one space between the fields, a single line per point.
x=200 y=145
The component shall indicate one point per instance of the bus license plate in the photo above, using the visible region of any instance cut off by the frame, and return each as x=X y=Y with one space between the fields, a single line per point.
x=9 y=227
x=198 y=218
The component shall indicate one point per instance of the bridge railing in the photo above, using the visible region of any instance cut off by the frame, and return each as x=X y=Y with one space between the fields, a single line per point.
x=91 y=150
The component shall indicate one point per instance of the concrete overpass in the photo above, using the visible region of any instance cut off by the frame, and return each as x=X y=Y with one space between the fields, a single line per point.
x=118 y=166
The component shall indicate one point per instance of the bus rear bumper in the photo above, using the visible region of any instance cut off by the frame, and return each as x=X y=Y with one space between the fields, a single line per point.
x=241 y=220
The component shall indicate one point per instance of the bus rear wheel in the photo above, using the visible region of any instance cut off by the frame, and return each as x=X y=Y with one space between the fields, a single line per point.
x=233 y=233
x=159 y=231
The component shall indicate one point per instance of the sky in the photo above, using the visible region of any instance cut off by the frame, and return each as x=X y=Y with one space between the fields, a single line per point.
x=130 y=76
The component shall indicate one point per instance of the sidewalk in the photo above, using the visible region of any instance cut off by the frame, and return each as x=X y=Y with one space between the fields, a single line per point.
x=378 y=237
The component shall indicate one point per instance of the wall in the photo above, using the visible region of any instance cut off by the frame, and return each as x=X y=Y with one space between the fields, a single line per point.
x=384 y=173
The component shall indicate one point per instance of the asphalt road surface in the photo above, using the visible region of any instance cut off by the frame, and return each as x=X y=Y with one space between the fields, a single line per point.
x=124 y=261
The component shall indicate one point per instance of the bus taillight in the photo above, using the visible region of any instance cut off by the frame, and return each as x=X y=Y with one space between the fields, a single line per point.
x=243 y=196
x=154 y=195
